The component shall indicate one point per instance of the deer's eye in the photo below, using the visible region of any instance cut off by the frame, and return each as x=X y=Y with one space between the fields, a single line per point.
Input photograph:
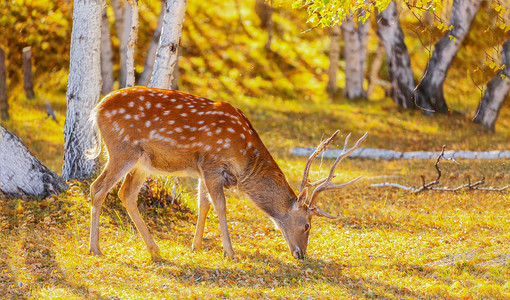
x=307 y=227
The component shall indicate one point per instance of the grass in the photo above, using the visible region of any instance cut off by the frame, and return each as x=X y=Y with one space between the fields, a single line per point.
x=386 y=244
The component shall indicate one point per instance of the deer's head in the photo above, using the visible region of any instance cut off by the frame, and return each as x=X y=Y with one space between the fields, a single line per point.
x=296 y=224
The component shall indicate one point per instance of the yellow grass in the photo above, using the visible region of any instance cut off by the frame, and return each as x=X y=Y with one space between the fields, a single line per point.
x=386 y=244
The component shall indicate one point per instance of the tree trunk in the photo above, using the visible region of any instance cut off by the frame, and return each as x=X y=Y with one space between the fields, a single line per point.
x=21 y=173
x=124 y=40
x=83 y=88
x=355 y=51
x=130 y=50
x=399 y=64
x=334 y=54
x=429 y=92
x=151 y=53
x=28 y=82
x=166 y=55
x=106 y=55
x=265 y=13
x=4 y=105
x=495 y=94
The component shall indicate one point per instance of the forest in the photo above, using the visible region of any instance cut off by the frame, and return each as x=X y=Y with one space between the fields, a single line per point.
x=408 y=96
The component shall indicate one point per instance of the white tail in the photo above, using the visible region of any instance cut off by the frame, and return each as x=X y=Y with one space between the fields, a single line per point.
x=147 y=131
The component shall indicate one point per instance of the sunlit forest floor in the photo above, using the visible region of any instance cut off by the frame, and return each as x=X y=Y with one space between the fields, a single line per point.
x=386 y=244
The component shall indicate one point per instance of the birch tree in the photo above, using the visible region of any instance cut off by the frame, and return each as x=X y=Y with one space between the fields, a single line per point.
x=131 y=42
x=495 y=93
x=83 y=87
x=148 y=66
x=106 y=55
x=355 y=53
x=429 y=92
x=399 y=64
x=334 y=55
x=21 y=173
x=167 y=53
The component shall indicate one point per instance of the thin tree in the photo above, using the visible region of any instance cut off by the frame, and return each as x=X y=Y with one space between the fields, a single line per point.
x=495 y=94
x=145 y=76
x=429 y=92
x=4 y=105
x=84 y=85
x=106 y=55
x=131 y=42
x=265 y=13
x=28 y=81
x=167 y=53
x=355 y=53
x=399 y=64
x=334 y=55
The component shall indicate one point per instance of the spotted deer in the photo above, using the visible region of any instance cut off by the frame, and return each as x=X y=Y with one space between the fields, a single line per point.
x=156 y=131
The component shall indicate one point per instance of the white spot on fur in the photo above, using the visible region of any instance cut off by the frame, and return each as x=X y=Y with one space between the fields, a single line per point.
x=184 y=114
x=243 y=136
x=218 y=130
x=166 y=112
x=178 y=129
x=179 y=106
x=131 y=104
x=142 y=97
x=231 y=130
x=148 y=123
x=207 y=148
x=171 y=122
x=122 y=110
x=158 y=105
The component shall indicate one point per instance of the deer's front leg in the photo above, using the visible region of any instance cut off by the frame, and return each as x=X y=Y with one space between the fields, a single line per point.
x=214 y=185
x=203 y=208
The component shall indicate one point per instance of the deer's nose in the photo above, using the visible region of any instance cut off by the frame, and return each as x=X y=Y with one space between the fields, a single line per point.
x=298 y=253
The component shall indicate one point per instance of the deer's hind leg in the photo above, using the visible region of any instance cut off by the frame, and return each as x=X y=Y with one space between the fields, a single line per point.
x=112 y=173
x=128 y=193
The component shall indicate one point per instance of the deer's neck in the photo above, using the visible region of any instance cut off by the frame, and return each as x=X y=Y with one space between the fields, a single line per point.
x=266 y=185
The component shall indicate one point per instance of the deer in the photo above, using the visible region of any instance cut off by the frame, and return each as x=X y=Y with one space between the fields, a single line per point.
x=149 y=131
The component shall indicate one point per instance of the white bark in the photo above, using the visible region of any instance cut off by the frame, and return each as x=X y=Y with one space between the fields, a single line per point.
x=355 y=50
x=130 y=50
x=384 y=154
x=399 y=64
x=83 y=87
x=429 y=92
x=166 y=56
x=124 y=40
x=106 y=55
x=334 y=54
x=495 y=94
x=21 y=173
x=151 y=52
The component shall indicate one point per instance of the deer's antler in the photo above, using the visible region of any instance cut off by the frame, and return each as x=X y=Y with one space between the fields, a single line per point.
x=326 y=183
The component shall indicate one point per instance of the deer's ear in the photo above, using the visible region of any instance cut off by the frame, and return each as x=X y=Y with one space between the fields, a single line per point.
x=301 y=199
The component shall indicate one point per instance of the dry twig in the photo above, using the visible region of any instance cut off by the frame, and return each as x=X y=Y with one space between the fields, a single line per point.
x=477 y=185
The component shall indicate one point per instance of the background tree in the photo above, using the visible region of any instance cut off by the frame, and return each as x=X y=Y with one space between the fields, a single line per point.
x=106 y=55
x=429 y=92
x=145 y=76
x=496 y=93
x=84 y=84
x=264 y=11
x=334 y=56
x=131 y=42
x=167 y=53
x=4 y=105
x=355 y=34
x=397 y=56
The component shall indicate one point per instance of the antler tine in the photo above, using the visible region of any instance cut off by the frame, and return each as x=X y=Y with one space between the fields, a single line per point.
x=327 y=183
x=318 y=150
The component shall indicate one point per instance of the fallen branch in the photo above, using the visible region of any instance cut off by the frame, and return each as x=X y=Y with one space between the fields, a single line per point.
x=432 y=185
x=372 y=153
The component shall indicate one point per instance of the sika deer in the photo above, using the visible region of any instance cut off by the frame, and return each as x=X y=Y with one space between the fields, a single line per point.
x=150 y=131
